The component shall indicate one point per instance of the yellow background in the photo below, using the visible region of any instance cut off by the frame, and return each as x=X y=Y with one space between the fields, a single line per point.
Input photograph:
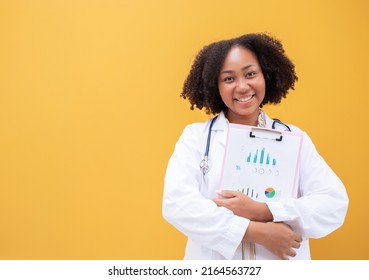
x=90 y=112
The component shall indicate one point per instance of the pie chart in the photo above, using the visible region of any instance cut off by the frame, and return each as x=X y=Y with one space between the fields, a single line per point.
x=270 y=192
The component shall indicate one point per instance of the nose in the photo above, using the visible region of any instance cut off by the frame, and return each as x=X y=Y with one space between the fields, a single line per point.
x=243 y=85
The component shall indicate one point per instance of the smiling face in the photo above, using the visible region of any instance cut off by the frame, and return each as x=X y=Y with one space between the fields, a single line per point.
x=242 y=86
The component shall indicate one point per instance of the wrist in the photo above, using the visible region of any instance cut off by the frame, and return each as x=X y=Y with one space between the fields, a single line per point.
x=261 y=213
x=255 y=232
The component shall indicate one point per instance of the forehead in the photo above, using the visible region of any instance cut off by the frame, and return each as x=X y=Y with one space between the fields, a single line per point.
x=239 y=56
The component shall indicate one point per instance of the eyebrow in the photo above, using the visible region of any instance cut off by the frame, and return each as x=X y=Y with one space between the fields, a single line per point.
x=231 y=71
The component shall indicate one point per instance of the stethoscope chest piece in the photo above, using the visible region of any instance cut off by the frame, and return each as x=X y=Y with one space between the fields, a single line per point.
x=205 y=165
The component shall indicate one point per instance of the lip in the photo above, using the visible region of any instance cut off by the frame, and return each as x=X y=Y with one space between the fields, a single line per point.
x=244 y=99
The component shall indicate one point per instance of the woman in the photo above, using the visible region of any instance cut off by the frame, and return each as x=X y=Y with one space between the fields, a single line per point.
x=234 y=79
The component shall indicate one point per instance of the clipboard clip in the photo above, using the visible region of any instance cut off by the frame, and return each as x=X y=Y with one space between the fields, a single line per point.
x=269 y=134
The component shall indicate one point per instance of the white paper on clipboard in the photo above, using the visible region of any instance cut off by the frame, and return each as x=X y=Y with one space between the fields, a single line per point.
x=262 y=163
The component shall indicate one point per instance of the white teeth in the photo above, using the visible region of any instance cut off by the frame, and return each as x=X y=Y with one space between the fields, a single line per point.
x=245 y=98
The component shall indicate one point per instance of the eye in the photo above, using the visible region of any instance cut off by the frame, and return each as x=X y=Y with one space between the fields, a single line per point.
x=250 y=74
x=228 y=79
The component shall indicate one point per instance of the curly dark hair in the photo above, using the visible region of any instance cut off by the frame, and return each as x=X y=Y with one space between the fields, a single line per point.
x=201 y=85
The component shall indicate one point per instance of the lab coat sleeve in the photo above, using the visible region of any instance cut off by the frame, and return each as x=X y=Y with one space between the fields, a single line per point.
x=196 y=216
x=322 y=201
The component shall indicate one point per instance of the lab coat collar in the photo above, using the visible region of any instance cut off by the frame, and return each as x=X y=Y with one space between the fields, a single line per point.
x=221 y=125
x=222 y=122
x=268 y=121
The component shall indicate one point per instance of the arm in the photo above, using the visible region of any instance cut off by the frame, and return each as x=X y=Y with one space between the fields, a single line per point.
x=322 y=201
x=187 y=209
x=278 y=238
x=244 y=206
x=320 y=208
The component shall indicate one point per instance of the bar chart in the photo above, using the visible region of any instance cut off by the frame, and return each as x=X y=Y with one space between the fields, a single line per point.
x=262 y=158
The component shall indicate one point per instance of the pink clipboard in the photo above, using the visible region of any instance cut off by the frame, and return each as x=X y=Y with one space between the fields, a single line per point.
x=262 y=163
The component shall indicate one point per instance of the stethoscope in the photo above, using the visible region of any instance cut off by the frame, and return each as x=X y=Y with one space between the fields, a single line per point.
x=205 y=163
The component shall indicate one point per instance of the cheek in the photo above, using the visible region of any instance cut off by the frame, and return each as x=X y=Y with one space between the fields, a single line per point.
x=221 y=90
x=224 y=89
x=262 y=83
x=262 y=88
x=220 y=87
x=224 y=94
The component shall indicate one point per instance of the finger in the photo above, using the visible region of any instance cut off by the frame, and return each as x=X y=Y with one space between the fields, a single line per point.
x=220 y=201
x=291 y=253
x=228 y=193
x=296 y=245
x=298 y=238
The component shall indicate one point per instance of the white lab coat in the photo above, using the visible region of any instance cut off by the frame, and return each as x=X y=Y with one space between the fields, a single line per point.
x=215 y=232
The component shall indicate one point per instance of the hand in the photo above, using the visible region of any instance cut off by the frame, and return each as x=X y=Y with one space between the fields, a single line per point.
x=278 y=238
x=244 y=206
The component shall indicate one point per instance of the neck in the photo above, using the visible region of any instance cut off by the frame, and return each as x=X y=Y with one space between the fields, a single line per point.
x=256 y=119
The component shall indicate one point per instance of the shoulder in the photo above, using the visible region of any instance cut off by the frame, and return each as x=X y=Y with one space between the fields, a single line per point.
x=193 y=135
x=216 y=123
x=278 y=124
x=196 y=128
